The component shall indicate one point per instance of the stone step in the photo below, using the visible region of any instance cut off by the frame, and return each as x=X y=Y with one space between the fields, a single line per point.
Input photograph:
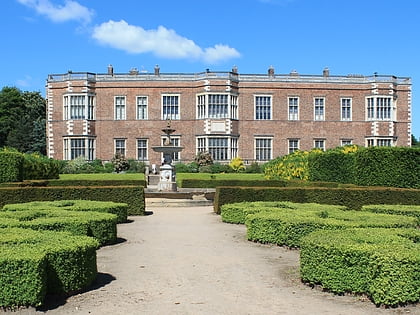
x=169 y=203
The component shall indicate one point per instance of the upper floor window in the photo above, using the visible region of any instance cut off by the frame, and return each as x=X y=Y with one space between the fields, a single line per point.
x=120 y=146
x=262 y=107
x=120 y=111
x=379 y=108
x=142 y=103
x=234 y=107
x=319 y=108
x=79 y=106
x=346 y=109
x=217 y=106
x=293 y=108
x=170 y=107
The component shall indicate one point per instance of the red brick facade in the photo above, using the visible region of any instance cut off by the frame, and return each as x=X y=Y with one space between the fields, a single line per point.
x=253 y=116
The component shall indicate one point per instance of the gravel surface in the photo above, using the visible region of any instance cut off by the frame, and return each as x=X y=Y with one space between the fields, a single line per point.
x=184 y=260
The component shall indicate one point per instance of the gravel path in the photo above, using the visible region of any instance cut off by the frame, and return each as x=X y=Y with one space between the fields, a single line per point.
x=186 y=261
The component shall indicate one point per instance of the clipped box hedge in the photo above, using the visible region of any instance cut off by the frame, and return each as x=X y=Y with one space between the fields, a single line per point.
x=119 y=209
x=11 y=166
x=350 y=197
x=101 y=226
x=409 y=210
x=382 y=263
x=288 y=226
x=133 y=196
x=34 y=263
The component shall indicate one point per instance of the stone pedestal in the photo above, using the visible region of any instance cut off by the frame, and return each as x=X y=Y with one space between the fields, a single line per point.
x=167 y=178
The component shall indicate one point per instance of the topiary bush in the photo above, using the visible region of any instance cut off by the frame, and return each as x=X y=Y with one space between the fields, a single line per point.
x=11 y=166
x=382 y=263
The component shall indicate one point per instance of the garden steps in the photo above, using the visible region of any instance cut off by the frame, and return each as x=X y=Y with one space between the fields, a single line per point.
x=184 y=197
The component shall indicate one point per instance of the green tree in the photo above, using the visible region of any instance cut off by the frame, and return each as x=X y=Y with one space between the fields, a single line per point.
x=414 y=141
x=12 y=107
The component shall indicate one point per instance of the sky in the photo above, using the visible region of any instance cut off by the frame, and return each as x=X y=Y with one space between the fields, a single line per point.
x=41 y=37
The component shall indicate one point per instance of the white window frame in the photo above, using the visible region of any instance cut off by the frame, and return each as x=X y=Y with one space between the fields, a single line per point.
x=143 y=148
x=346 y=108
x=87 y=148
x=218 y=152
x=291 y=147
x=319 y=144
x=263 y=149
x=319 y=109
x=142 y=114
x=84 y=108
x=120 y=108
x=176 y=105
x=120 y=146
x=293 y=115
x=344 y=142
x=378 y=110
x=218 y=105
x=263 y=111
x=380 y=142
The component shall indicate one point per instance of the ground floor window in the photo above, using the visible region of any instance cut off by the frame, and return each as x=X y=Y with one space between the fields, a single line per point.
x=142 y=150
x=220 y=148
x=346 y=142
x=120 y=147
x=379 y=142
x=319 y=144
x=263 y=149
x=293 y=145
x=79 y=147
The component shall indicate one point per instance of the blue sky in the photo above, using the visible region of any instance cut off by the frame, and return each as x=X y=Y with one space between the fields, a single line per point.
x=41 y=37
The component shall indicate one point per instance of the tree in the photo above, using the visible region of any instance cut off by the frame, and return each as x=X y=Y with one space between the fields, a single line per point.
x=414 y=141
x=22 y=120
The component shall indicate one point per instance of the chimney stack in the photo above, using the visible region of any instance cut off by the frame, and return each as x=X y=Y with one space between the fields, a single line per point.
x=326 y=72
x=110 y=70
x=271 y=72
x=157 y=70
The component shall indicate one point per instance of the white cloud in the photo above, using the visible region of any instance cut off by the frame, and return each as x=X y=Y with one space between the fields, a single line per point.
x=26 y=82
x=71 y=10
x=162 y=42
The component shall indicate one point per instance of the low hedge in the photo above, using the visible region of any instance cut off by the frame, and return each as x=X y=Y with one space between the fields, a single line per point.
x=34 y=263
x=350 y=197
x=119 y=209
x=287 y=226
x=410 y=210
x=382 y=263
x=101 y=226
x=133 y=196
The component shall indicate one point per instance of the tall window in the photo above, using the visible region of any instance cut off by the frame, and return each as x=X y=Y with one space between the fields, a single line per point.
x=379 y=108
x=79 y=147
x=218 y=106
x=120 y=146
x=319 y=106
x=218 y=148
x=201 y=145
x=319 y=144
x=170 y=107
x=142 y=149
x=346 y=109
x=233 y=147
x=79 y=106
x=120 y=108
x=262 y=107
x=293 y=145
x=293 y=108
x=201 y=106
x=142 y=107
x=234 y=106
x=263 y=149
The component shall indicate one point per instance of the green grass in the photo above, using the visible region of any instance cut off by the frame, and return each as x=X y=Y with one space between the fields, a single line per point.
x=103 y=176
x=226 y=176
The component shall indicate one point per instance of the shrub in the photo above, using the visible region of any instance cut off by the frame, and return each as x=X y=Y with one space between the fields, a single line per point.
x=254 y=168
x=36 y=166
x=120 y=163
x=382 y=263
x=77 y=166
x=35 y=263
x=237 y=164
x=11 y=166
x=285 y=226
x=203 y=159
x=135 y=166
x=409 y=210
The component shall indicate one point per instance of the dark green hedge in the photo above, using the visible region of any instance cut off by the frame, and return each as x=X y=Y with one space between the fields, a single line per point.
x=283 y=226
x=382 y=263
x=36 y=166
x=119 y=209
x=352 y=198
x=34 y=263
x=388 y=166
x=332 y=166
x=101 y=226
x=133 y=196
x=11 y=166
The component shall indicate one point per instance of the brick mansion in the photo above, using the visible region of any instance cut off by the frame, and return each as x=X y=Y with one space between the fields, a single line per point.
x=257 y=117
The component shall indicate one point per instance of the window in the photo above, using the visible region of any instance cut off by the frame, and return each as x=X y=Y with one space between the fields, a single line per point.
x=379 y=108
x=120 y=146
x=120 y=108
x=293 y=108
x=384 y=142
x=218 y=148
x=142 y=149
x=234 y=107
x=346 y=142
x=293 y=145
x=233 y=148
x=218 y=106
x=319 y=108
x=201 y=106
x=79 y=106
x=380 y=142
x=263 y=149
x=79 y=147
x=170 y=107
x=319 y=144
x=142 y=107
x=201 y=145
x=346 y=109
x=262 y=107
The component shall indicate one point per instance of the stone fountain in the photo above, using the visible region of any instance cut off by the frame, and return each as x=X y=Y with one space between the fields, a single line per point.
x=167 y=179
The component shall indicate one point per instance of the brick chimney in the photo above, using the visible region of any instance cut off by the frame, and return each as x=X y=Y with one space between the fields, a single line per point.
x=110 y=70
x=157 y=70
x=271 y=72
x=326 y=72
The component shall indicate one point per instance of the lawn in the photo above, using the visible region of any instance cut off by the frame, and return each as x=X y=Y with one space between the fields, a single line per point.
x=103 y=176
x=225 y=176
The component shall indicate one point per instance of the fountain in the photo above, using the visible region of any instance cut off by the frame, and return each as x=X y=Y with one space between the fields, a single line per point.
x=167 y=179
